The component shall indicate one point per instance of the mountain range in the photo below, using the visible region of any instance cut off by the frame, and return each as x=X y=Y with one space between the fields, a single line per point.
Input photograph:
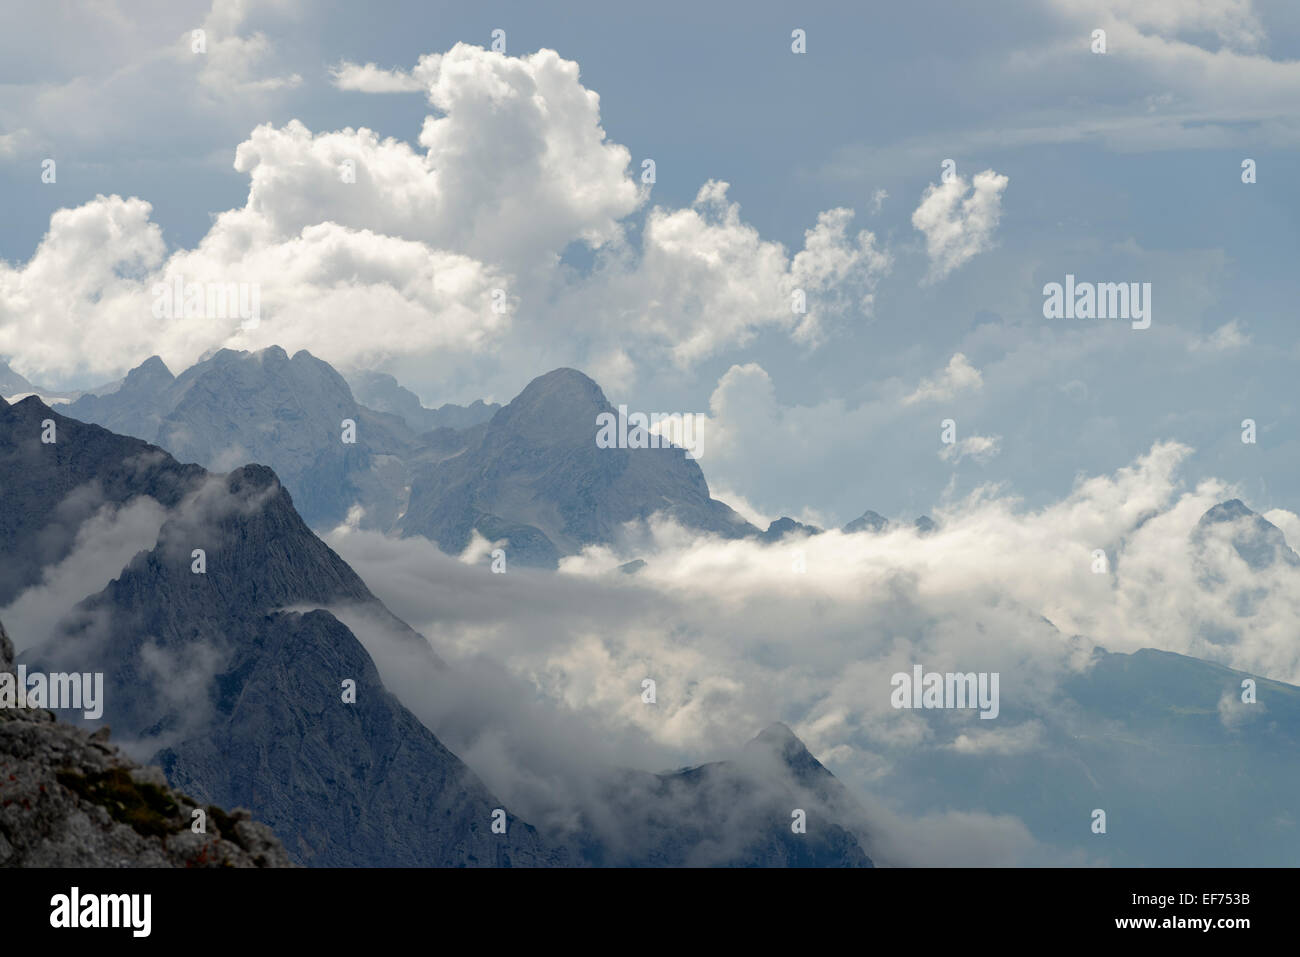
x=230 y=679
x=224 y=664
x=528 y=475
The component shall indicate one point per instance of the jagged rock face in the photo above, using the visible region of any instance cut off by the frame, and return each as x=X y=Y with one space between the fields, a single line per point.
x=244 y=698
x=381 y=392
x=70 y=799
x=535 y=475
x=347 y=784
x=236 y=408
x=735 y=813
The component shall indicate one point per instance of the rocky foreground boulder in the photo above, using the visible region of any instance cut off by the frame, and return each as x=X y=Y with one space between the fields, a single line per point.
x=70 y=799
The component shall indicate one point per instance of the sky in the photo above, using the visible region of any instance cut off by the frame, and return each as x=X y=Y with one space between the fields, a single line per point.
x=774 y=171
x=920 y=174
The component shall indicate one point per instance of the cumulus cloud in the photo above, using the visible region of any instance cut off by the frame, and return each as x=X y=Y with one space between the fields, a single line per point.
x=232 y=63
x=764 y=447
x=958 y=219
x=704 y=279
x=88 y=299
x=364 y=249
x=958 y=376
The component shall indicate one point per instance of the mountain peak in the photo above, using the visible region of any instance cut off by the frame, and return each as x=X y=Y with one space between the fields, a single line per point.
x=31 y=404
x=253 y=476
x=561 y=385
x=563 y=402
x=1231 y=510
x=274 y=354
x=1258 y=541
x=152 y=369
x=778 y=740
x=868 y=521
x=777 y=733
x=784 y=526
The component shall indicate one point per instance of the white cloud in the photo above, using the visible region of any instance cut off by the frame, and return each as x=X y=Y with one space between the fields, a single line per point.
x=116 y=76
x=705 y=280
x=958 y=376
x=958 y=226
x=981 y=448
x=580 y=641
x=406 y=259
x=1226 y=338
x=371 y=79
x=1016 y=739
x=84 y=302
x=1234 y=22
x=231 y=63
x=103 y=544
x=516 y=165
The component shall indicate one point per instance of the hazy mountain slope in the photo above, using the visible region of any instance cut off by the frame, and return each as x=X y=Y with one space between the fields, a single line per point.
x=346 y=784
x=239 y=407
x=868 y=521
x=39 y=514
x=736 y=813
x=11 y=383
x=1161 y=742
x=136 y=407
x=244 y=699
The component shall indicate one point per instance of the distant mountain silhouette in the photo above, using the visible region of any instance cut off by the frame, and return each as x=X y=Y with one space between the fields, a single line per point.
x=535 y=476
x=381 y=392
x=235 y=408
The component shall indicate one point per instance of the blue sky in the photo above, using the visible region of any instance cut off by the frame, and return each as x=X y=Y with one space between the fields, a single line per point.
x=1119 y=167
